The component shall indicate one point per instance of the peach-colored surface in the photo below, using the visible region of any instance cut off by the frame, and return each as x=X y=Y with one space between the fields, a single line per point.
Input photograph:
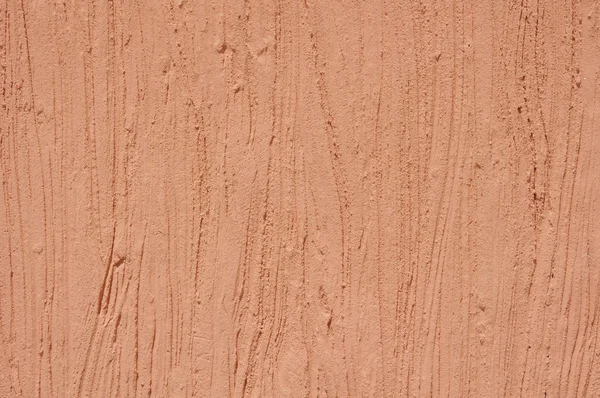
x=300 y=198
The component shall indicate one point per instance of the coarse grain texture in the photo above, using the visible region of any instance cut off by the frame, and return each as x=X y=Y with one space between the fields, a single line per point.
x=276 y=198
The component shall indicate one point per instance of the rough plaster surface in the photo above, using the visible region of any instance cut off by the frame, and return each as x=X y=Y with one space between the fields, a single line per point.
x=305 y=198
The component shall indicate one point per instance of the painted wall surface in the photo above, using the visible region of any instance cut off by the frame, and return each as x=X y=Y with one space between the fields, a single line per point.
x=259 y=198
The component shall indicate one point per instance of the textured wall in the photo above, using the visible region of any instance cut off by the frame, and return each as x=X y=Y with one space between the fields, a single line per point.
x=300 y=198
